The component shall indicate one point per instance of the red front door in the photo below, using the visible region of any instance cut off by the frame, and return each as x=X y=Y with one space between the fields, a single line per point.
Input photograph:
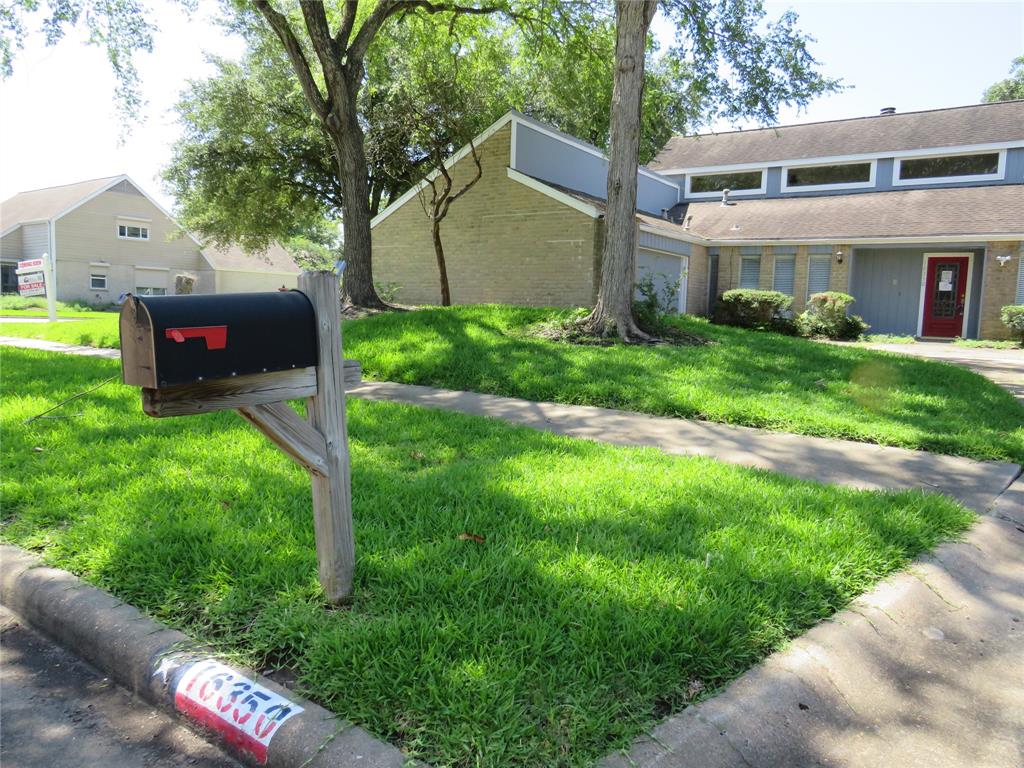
x=945 y=294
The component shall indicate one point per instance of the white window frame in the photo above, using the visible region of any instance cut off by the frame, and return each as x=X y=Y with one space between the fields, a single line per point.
x=93 y=276
x=732 y=192
x=826 y=187
x=898 y=163
x=143 y=230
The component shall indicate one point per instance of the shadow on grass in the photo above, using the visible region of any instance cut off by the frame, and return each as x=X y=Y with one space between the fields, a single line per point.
x=610 y=585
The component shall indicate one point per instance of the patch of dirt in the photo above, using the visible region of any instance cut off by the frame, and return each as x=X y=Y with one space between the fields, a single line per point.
x=570 y=333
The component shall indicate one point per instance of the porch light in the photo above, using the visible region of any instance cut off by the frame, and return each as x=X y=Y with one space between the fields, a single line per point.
x=839 y=257
x=1003 y=259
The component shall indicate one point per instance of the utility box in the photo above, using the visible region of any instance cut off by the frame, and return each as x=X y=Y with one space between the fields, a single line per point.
x=169 y=341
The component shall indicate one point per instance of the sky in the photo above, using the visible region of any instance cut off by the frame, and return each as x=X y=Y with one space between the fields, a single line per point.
x=58 y=123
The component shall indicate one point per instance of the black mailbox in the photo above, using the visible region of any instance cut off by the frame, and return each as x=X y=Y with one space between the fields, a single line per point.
x=172 y=340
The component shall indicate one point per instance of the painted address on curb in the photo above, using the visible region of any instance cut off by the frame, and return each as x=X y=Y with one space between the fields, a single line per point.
x=244 y=713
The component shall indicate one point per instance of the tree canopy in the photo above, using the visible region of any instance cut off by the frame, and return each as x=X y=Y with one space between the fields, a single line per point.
x=1009 y=89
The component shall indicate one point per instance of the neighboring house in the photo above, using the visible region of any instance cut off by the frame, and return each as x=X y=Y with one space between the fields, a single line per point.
x=920 y=216
x=108 y=237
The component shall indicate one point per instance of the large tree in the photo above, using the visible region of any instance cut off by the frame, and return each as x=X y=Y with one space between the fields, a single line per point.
x=738 y=68
x=1009 y=89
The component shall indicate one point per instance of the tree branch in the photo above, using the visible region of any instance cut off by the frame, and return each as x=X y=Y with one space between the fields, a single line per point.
x=279 y=23
x=324 y=45
x=348 y=19
x=469 y=184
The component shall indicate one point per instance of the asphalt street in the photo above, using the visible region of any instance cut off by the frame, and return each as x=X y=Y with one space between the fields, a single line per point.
x=56 y=711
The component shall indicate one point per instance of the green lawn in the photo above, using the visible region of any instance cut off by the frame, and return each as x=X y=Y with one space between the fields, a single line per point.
x=612 y=586
x=754 y=379
x=90 y=329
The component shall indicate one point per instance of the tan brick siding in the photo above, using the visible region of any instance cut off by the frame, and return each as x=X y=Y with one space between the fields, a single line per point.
x=697 y=281
x=504 y=242
x=998 y=288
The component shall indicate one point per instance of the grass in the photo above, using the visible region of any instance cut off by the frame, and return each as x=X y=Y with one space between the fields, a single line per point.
x=754 y=379
x=93 y=329
x=886 y=338
x=37 y=305
x=612 y=586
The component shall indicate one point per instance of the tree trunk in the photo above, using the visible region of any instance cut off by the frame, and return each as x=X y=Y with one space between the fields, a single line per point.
x=357 y=287
x=614 y=309
x=435 y=231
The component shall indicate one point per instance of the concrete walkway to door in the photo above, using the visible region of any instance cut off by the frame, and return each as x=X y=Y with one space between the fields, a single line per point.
x=1003 y=366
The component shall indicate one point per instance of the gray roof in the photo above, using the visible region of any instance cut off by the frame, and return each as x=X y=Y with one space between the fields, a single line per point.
x=958 y=211
x=274 y=259
x=957 y=126
x=45 y=204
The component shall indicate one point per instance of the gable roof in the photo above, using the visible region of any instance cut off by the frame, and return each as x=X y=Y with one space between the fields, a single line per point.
x=953 y=127
x=958 y=212
x=49 y=202
x=275 y=259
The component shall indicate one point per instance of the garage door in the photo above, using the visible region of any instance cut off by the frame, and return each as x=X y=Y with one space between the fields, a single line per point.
x=665 y=268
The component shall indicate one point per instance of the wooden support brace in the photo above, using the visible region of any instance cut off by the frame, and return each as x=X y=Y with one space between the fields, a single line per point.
x=238 y=392
x=289 y=432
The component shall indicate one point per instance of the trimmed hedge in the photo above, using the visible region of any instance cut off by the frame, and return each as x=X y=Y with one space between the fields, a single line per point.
x=827 y=316
x=1012 y=316
x=749 y=308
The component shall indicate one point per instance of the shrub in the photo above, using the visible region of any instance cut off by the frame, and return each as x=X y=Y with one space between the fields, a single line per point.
x=827 y=316
x=761 y=310
x=650 y=309
x=388 y=292
x=1013 y=318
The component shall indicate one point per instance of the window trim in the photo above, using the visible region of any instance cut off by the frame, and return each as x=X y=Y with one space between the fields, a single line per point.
x=826 y=187
x=93 y=276
x=1019 y=293
x=732 y=192
x=897 y=164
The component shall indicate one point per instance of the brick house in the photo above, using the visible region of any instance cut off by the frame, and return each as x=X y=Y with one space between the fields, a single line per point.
x=920 y=216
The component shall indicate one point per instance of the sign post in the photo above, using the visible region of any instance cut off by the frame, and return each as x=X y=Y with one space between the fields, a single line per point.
x=35 y=278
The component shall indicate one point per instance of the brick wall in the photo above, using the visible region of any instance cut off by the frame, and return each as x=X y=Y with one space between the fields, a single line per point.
x=998 y=288
x=697 y=281
x=504 y=242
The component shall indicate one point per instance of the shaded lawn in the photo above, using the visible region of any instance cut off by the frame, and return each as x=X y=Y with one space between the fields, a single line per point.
x=612 y=585
x=754 y=379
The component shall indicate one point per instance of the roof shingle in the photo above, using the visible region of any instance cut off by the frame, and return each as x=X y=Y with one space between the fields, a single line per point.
x=958 y=126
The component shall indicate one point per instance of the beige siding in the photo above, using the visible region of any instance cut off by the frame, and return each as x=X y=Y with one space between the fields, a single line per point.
x=88 y=236
x=10 y=246
x=247 y=282
x=504 y=242
x=35 y=240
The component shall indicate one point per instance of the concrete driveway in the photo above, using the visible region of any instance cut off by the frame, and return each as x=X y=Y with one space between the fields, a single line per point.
x=1003 y=366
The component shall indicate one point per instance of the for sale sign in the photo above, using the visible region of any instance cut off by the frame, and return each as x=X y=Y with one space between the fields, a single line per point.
x=31 y=280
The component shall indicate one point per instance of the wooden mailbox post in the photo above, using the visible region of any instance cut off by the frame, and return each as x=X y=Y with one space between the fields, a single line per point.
x=252 y=352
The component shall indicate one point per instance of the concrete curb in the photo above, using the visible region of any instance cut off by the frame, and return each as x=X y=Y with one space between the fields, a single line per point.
x=152 y=661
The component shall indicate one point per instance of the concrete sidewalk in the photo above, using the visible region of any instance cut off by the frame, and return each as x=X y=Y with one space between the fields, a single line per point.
x=840 y=462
